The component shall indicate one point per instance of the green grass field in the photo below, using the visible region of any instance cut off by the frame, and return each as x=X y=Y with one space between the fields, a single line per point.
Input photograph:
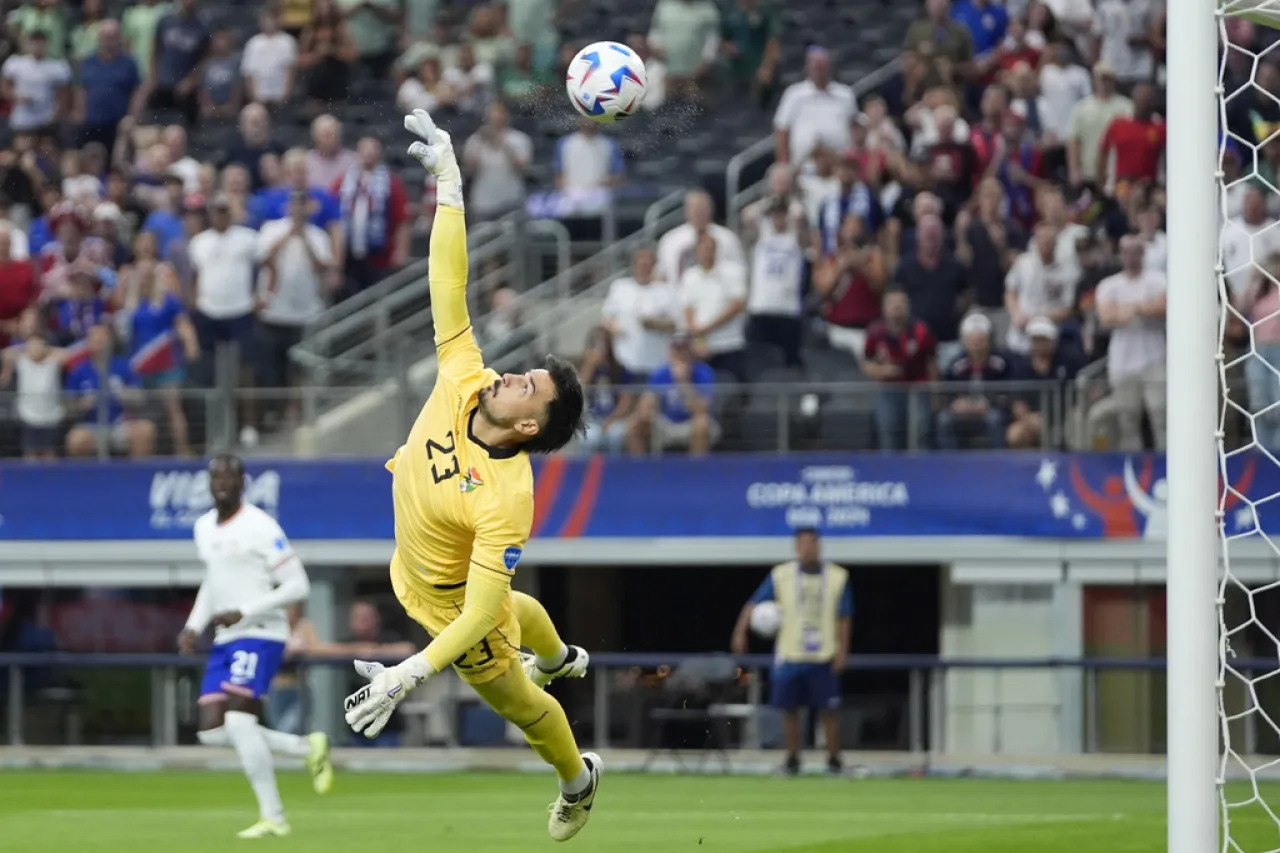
x=486 y=813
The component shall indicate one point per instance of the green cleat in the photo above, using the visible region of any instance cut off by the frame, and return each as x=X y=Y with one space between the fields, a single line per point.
x=318 y=762
x=266 y=828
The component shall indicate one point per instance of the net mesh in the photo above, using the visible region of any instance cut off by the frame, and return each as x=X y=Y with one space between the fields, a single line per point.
x=1249 y=428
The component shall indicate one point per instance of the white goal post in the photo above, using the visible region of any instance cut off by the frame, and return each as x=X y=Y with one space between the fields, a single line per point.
x=1193 y=454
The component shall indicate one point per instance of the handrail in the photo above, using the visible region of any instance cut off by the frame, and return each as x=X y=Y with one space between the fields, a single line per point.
x=654 y=213
x=761 y=148
x=645 y=661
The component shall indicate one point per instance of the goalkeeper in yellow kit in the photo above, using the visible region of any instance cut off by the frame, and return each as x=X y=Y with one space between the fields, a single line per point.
x=463 y=494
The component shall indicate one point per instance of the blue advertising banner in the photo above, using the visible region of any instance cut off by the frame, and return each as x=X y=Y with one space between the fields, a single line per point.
x=1089 y=496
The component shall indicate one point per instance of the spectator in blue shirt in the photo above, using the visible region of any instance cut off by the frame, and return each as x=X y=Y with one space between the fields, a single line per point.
x=165 y=221
x=675 y=411
x=987 y=23
x=108 y=90
x=609 y=397
x=178 y=60
x=272 y=203
x=107 y=422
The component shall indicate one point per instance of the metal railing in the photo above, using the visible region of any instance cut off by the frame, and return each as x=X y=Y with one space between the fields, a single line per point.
x=768 y=416
x=355 y=340
x=737 y=196
x=922 y=712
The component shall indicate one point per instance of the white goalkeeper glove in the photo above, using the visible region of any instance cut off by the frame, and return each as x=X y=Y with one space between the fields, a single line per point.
x=370 y=708
x=435 y=153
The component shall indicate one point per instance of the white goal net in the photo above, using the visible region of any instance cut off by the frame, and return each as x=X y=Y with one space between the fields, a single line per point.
x=1248 y=601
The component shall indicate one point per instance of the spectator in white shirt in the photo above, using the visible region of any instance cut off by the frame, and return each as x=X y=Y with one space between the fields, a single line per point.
x=295 y=257
x=640 y=313
x=775 y=303
x=587 y=160
x=1038 y=286
x=1122 y=28
x=713 y=296
x=497 y=159
x=1131 y=304
x=470 y=81
x=1062 y=85
x=36 y=85
x=816 y=111
x=222 y=260
x=676 y=248
x=1155 y=244
x=269 y=61
x=1248 y=241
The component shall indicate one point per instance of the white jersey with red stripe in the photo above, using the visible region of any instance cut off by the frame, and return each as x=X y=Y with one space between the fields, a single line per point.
x=243 y=558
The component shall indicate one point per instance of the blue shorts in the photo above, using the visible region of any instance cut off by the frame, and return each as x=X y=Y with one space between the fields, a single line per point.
x=244 y=667
x=804 y=685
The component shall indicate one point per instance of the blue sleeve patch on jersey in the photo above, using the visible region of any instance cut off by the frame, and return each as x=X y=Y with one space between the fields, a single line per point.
x=281 y=544
x=510 y=557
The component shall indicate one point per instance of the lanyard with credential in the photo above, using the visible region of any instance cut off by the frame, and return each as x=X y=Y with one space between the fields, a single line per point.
x=811 y=628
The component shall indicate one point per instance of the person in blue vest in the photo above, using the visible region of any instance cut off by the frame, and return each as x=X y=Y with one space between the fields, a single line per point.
x=812 y=647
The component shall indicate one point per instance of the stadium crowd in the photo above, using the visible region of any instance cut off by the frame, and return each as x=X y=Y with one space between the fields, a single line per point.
x=991 y=214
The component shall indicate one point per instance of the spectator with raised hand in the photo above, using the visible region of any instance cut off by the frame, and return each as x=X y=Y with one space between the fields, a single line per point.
x=1131 y=304
x=852 y=198
x=470 y=80
x=945 y=45
x=270 y=60
x=325 y=211
x=375 y=218
x=849 y=284
x=295 y=261
x=685 y=34
x=1038 y=285
x=222 y=260
x=104 y=372
x=326 y=52
x=497 y=159
x=983 y=408
x=750 y=33
x=177 y=63
x=428 y=90
x=588 y=163
x=162 y=342
x=713 y=300
x=42 y=16
x=610 y=396
x=1089 y=120
x=676 y=248
x=221 y=90
x=988 y=242
x=775 y=305
x=899 y=352
x=641 y=314
x=372 y=25
x=938 y=285
x=781 y=183
x=35 y=370
x=675 y=410
x=109 y=90
x=138 y=27
x=816 y=111
x=37 y=86
x=328 y=161
x=72 y=250
x=1046 y=362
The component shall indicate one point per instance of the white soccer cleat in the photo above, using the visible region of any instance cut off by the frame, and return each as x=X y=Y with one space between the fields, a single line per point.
x=266 y=828
x=318 y=763
x=568 y=817
x=574 y=666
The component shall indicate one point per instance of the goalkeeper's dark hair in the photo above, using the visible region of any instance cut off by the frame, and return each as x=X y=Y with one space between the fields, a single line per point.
x=565 y=411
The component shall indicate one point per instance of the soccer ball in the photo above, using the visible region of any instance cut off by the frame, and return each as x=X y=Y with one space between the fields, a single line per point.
x=766 y=618
x=606 y=81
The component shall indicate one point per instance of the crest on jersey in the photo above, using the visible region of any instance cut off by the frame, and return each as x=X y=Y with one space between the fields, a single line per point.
x=510 y=557
x=280 y=544
x=470 y=481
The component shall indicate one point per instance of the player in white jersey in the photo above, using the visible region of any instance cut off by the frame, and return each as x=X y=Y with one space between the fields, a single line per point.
x=251 y=576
